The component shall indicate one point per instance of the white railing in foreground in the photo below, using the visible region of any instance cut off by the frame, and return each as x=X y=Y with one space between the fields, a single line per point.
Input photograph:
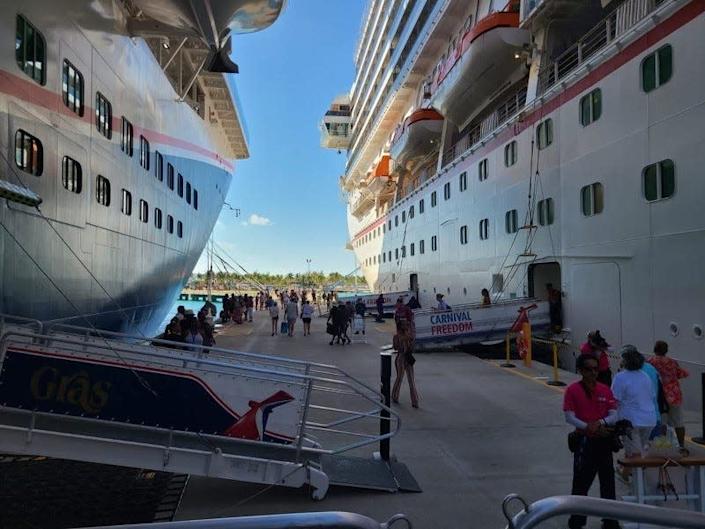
x=540 y=511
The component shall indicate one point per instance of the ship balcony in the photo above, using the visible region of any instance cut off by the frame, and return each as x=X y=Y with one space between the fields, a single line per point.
x=539 y=11
x=362 y=204
x=418 y=136
x=485 y=58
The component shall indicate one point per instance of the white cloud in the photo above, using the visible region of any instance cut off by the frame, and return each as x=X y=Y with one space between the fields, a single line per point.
x=259 y=220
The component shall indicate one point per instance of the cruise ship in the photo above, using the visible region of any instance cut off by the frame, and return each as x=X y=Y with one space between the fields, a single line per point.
x=511 y=145
x=120 y=128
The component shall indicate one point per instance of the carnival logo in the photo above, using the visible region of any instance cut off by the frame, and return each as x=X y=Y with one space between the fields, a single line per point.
x=48 y=384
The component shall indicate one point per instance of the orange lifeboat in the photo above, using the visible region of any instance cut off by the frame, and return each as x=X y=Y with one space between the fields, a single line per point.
x=380 y=179
x=487 y=56
x=417 y=136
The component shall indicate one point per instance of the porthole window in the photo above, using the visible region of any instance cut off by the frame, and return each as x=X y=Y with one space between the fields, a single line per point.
x=592 y=199
x=590 y=107
x=659 y=180
x=510 y=153
x=30 y=50
x=144 y=153
x=484 y=229
x=158 y=166
x=144 y=211
x=482 y=170
x=102 y=190
x=697 y=332
x=71 y=175
x=29 y=153
x=673 y=328
x=545 y=210
x=657 y=68
x=126 y=205
x=511 y=221
x=544 y=134
x=170 y=176
x=104 y=115
x=72 y=88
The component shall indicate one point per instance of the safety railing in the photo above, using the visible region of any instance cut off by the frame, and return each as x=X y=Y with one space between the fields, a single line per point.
x=338 y=412
x=623 y=18
x=501 y=113
x=303 y=520
x=540 y=511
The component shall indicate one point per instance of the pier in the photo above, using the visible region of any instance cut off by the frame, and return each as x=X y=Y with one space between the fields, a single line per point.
x=480 y=433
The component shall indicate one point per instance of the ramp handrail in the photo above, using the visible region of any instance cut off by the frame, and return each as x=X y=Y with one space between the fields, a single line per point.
x=547 y=508
x=6 y=319
x=316 y=415
x=303 y=520
x=469 y=306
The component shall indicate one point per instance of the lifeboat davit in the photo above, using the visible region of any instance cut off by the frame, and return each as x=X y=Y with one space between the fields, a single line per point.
x=418 y=136
x=484 y=59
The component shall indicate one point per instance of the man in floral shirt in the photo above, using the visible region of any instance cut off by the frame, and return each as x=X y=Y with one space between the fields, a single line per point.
x=670 y=373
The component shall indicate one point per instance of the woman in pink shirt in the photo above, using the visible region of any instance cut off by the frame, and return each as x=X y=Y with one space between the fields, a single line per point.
x=597 y=346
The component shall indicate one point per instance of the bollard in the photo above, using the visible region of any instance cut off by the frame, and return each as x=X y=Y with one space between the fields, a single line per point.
x=555 y=381
x=386 y=390
x=526 y=329
x=507 y=347
x=701 y=440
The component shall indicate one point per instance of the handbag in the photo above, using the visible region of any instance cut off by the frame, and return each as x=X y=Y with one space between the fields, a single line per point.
x=573 y=441
x=330 y=329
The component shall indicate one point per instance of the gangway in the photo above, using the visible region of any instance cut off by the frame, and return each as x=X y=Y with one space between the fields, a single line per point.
x=96 y=396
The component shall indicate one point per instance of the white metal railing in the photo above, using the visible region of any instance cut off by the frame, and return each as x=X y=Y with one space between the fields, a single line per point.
x=538 y=512
x=340 y=413
x=501 y=113
x=621 y=19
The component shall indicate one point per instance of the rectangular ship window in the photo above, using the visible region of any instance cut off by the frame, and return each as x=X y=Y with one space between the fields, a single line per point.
x=30 y=50
x=71 y=175
x=72 y=88
x=144 y=153
x=126 y=206
x=29 y=153
x=104 y=115
x=102 y=190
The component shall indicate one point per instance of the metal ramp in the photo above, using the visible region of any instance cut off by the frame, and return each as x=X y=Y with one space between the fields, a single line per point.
x=73 y=393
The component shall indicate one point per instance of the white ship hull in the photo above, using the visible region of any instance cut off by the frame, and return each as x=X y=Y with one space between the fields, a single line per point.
x=634 y=270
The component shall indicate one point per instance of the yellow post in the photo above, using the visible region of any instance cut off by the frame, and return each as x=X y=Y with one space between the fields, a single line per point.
x=526 y=329
x=555 y=381
x=507 y=349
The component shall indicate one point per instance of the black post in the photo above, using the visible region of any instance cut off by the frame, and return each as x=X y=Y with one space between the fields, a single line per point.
x=701 y=440
x=386 y=389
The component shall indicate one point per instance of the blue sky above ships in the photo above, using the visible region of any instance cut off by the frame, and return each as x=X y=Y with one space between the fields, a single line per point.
x=287 y=192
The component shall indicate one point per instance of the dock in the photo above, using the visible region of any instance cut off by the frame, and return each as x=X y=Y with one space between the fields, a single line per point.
x=481 y=432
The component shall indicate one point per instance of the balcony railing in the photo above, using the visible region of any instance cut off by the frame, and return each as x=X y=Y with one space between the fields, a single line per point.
x=624 y=17
x=502 y=112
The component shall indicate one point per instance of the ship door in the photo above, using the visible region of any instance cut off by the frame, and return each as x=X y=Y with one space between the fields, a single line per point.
x=541 y=275
x=414 y=284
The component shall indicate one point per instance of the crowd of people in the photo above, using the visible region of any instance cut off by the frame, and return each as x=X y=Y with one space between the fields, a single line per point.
x=627 y=410
x=189 y=328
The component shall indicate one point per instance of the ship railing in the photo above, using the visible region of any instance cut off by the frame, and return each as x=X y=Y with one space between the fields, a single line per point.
x=529 y=517
x=338 y=413
x=8 y=319
x=542 y=510
x=502 y=113
x=619 y=21
x=518 y=302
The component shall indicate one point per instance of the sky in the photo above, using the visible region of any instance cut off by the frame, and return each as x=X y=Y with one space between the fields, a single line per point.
x=287 y=191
